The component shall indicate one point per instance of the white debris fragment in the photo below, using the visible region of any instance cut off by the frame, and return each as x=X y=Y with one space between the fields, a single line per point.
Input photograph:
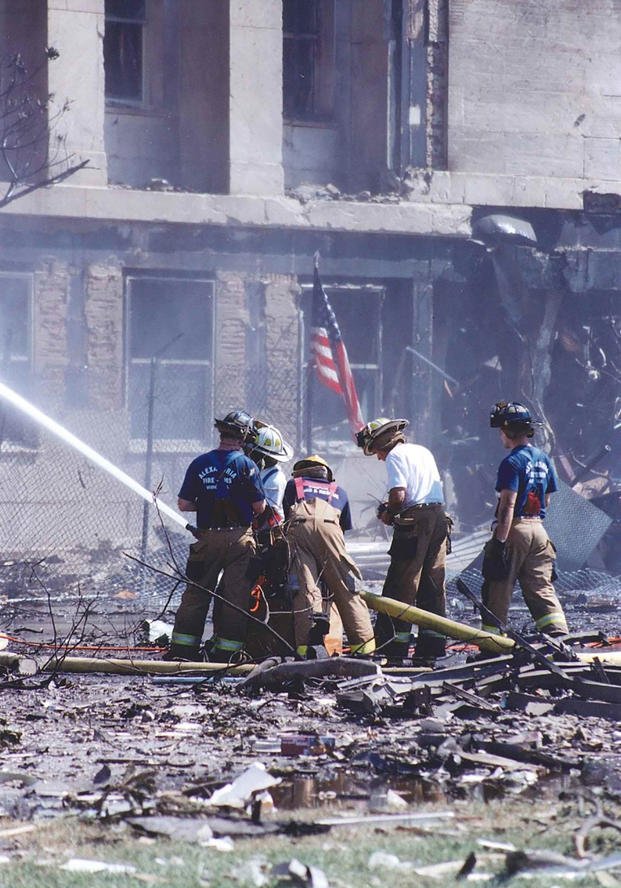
x=240 y=791
x=81 y=865
x=385 y=861
x=386 y=801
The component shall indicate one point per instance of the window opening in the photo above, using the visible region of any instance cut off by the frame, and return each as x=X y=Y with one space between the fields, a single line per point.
x=308 y=59
x=171 y=321
x=16 y=355
x=123 y=50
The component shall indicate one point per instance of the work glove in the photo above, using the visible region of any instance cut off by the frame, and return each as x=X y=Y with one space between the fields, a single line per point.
x=384 y=515
x=496 y=561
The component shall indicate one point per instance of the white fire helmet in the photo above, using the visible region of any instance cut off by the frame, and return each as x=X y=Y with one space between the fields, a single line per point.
x=269 y=442
x=380 y=428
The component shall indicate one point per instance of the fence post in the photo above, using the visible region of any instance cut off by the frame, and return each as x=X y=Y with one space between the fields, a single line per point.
x=148 y=459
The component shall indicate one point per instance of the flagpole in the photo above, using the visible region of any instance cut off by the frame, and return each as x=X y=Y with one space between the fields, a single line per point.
x=309 y=378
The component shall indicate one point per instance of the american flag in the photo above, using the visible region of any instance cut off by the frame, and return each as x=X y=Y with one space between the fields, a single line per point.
x=330 y=355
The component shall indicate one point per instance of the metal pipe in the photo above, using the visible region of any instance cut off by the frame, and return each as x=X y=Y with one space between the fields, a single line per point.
x=431 y=364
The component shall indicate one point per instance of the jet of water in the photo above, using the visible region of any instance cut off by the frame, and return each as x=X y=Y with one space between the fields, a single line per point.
x=51 y=425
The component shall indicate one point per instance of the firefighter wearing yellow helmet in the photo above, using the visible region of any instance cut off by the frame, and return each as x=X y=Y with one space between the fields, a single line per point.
x=415 y=510
x=317 y=514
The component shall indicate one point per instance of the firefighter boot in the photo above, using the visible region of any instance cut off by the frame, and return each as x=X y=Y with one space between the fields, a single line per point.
x=429 y=646
x=183 y=652
x=314 y=649
x=392 y=644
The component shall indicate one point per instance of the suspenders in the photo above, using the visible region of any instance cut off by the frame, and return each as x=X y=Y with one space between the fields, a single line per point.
x=328 y=486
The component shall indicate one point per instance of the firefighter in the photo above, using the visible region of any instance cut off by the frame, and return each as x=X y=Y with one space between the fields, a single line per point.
x=415 y=510
x=224 y=488
x=520 y=548
x=317 y=513
x=267 y=447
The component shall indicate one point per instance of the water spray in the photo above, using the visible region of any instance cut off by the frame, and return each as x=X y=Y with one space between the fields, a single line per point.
x=34 y=413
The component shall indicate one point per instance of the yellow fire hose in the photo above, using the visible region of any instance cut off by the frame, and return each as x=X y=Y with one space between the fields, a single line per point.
x=485 y=640
x=410 y=614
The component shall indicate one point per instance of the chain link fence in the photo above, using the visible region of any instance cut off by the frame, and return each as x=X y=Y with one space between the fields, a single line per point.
x=66 y=523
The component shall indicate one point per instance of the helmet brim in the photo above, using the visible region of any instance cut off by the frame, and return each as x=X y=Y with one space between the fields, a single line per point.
x=285 y=456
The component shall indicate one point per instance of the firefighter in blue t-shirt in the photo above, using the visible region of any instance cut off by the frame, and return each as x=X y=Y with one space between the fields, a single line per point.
x=223 y=487
x=316 y=514
x=520 y=548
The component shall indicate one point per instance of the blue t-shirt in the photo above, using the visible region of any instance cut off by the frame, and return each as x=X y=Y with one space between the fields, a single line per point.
x=223 y=484
x=321 y=489
x=527 y=471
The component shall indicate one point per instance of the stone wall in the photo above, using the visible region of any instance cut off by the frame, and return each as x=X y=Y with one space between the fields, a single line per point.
x=534 y=88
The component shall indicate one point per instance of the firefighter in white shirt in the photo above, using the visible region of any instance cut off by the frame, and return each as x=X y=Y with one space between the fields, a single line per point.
x=268 y=449
x=415 y=510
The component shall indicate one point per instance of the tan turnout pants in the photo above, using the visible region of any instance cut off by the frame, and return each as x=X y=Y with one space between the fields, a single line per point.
x=318 y=554
x=416 y=576
x=532 y=559
x=228 y=550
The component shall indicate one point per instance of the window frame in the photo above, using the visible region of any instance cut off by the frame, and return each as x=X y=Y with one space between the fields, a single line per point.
x=138 y=444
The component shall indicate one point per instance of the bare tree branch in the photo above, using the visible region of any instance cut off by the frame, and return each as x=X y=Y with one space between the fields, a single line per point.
x=33 y=154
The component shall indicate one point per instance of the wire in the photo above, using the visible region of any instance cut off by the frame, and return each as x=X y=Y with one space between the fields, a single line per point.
x=81 y=647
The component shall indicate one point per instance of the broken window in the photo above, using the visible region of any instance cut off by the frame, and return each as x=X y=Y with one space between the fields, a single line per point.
x=308 y=59
x=363 y=341
x=170 y=359
x=123 y=50
x=15 y=353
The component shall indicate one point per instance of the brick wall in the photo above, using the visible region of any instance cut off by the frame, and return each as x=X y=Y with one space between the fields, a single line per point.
x=230 y=345
x=282 y=348
x=104 y=320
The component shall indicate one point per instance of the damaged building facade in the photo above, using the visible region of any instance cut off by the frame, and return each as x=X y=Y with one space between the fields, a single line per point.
x=456 y=163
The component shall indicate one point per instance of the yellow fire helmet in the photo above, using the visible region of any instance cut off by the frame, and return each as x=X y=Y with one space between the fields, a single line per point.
x=312 y=467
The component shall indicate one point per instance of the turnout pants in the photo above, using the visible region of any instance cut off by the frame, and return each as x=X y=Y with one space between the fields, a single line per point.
x=229 y=550
x=531 y=562
x=416 y=577
x=318 y=555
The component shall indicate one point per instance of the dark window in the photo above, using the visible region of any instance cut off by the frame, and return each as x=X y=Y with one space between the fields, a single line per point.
x=170 y=354
x=15 y=354
x=308 y=59
x=364 y=350
x=123 y=49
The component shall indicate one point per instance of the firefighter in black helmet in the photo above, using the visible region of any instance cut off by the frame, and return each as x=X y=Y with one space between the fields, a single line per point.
x=224 y=488
x=520 y=548
x=316 y=514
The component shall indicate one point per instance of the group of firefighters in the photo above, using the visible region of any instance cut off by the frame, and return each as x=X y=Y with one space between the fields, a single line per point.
x=260 y=535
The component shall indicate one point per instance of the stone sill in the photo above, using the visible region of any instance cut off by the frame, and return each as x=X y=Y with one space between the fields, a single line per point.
x=117 y=204
x=439 y=204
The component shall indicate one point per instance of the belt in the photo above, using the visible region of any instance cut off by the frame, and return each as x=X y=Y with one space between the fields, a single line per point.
x=304 y=520
x=228 y=527
x=420 y=506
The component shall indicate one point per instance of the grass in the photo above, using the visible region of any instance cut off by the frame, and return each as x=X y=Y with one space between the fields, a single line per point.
x=343 y=853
